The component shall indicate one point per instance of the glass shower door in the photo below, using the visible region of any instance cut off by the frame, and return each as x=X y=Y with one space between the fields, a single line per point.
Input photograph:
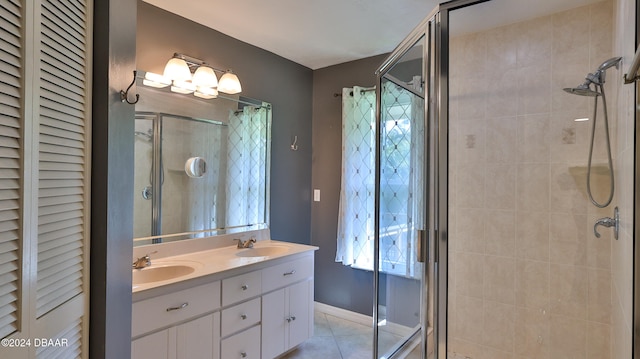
x=400 y=313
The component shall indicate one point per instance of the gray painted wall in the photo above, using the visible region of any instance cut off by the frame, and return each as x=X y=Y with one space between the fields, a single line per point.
x=265 y=76
x=111 y=180
x=335 y=284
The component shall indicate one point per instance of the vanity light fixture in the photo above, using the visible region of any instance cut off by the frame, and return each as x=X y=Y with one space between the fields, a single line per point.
x=203 y=83
x=177 y=69
x=229 y=83
x=155 y=80
x=206 y=92
x=205 y=77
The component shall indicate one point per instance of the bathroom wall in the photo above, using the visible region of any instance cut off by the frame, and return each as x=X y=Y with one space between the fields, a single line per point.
x=265 y=76
x=622 y=249
x=335 y=284
x=528 y=278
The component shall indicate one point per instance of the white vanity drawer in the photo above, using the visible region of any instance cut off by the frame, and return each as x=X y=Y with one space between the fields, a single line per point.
x=244 y=345
x=283 y=274
x=241 y=287
x=164 y=310
x=240 y=316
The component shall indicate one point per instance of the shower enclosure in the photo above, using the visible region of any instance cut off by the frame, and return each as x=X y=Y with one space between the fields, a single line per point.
x=507 y=263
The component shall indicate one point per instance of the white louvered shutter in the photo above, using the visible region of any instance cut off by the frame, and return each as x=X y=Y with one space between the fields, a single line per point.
x=62 y=142
x=45 y=108
x=11 y=188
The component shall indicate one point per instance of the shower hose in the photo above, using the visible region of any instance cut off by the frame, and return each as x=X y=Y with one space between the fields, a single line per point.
x=606 y=130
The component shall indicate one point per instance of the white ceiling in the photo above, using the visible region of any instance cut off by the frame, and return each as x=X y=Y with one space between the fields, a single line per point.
x=320 y=33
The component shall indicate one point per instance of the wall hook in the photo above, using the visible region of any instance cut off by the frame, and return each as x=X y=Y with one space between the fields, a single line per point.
x=124 y=95
x=294 y=145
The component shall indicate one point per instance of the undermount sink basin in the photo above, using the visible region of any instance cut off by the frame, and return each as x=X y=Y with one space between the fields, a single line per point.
x=160 y=272
x=261 y=251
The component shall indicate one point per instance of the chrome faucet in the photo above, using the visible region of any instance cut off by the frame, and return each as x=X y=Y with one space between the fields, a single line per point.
x=143 y=261
x=608 y=222
x=245 y=244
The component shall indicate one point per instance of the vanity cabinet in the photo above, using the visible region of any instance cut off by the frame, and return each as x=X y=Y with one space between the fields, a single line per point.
x=195 y=338
x=287 y=310
x=258 y=313
x=244 y=345
x=287 y=318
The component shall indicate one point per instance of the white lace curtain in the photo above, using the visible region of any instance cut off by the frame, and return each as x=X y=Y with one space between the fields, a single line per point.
x=356 y=213
x=246 y=166
x=401 y=183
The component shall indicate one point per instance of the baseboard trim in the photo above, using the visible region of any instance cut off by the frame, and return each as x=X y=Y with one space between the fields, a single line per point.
x=362 y=319
x=344 y=314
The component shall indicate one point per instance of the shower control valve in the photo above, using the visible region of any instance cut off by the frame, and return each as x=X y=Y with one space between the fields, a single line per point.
x=608 y=222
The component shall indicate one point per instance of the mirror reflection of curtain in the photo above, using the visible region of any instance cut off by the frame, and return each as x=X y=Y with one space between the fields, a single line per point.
x=247 y=150
x=402 y=159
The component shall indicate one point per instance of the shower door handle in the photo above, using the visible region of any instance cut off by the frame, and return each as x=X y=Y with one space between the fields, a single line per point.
x=420 y=244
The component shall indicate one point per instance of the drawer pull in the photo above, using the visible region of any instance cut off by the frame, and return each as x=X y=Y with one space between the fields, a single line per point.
x=243 y=316
x=183 y=305
x=290 y=273
x=243 y=354
x=244 y=287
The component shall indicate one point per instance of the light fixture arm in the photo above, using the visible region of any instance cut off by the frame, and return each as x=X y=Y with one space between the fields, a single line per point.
x=124 y=95
x=194 y=63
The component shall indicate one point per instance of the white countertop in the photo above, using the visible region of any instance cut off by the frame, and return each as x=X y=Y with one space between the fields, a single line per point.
x=220 y=260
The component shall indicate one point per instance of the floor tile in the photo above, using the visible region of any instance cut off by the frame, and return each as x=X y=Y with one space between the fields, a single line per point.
x=317 y=347
x=345 y=327
x=337 y=338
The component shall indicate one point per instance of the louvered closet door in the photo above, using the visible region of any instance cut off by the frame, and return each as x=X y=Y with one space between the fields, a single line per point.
x=45 y=72
x=63 y=171
x=11 y=188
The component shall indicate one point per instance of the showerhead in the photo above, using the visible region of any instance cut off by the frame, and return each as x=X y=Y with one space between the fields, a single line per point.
x=596 y=78
x=582 y=90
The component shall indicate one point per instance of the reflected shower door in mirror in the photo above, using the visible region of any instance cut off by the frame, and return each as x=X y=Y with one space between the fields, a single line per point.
x=197 y=177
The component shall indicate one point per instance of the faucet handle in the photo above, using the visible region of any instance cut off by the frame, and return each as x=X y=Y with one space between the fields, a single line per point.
x=608 y=222
x=148 y=256
x=143 y=261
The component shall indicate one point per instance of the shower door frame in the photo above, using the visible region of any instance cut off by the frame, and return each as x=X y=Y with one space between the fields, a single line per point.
x=435 y=28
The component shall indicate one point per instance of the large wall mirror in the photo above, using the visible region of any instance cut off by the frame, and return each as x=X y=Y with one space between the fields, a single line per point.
x=201 y=166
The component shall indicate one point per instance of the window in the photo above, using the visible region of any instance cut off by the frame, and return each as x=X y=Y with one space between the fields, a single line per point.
x=400 y=183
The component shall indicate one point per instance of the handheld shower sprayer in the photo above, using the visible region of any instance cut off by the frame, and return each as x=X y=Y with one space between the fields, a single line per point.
x=614 y=61
x=597 y=79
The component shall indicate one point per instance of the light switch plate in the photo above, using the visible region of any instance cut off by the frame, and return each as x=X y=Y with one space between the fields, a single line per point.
x=316 y=195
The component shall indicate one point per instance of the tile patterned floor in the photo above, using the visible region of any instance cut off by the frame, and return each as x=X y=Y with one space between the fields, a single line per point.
x=336 y=338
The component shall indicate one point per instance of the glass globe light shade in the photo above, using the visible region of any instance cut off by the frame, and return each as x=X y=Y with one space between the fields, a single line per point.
x=229 y=83
x=177 y=70
x=205 y=77
x=206 y=92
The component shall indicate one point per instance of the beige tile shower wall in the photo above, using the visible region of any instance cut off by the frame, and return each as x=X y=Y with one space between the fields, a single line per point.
x=528 y=278
x=622 y=249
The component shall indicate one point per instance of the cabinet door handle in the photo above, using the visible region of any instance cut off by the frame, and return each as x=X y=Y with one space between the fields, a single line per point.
x=290 y=319
x=243 y=316
x=244 y=287
x=183 y=305
x=243 y=354
x=289 y=273
x=293 y=318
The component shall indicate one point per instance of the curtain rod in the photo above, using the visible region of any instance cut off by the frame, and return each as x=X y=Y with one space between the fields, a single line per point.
x=338 y=94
